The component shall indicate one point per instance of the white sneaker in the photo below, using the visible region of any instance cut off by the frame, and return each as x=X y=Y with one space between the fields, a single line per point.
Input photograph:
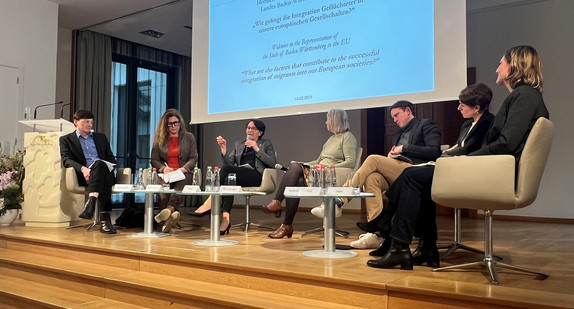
x=319 y=211
x=367 y=241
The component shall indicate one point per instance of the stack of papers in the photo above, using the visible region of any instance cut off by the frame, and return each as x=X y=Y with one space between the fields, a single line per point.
x=174 y=176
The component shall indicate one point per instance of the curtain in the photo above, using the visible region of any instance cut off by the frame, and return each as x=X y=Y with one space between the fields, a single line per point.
x=93 y=77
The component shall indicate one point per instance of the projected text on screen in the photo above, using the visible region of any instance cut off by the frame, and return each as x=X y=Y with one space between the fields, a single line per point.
x=274 y=53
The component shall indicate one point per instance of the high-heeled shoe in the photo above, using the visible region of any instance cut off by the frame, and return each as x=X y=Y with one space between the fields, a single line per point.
x=274 y=207
x=226 y=230
x=199 y=214
x=282 y=231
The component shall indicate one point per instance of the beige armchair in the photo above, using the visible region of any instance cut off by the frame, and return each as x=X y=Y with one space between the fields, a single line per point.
x=123 y=176
x=268 y=185
x=490 y=183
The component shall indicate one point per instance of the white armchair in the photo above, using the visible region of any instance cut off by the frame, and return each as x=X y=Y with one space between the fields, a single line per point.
x=490 y=183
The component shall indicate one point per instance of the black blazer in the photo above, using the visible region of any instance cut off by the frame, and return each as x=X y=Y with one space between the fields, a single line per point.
x=265 y=158
x=424 y=141
x=474 y=139
x=73 y=155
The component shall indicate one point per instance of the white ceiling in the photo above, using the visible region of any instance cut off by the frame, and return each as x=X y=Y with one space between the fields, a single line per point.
x=125 y=19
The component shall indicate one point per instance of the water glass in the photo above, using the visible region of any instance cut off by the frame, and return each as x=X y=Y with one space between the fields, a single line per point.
x=231 y=179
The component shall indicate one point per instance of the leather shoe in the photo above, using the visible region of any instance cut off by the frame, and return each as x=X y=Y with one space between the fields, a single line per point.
x=383 y=249
x=282 y=231
x=199 y=214
x=399 y=254
x=426 y=252
x=107 y=227
x=274 y=207
x=89 y=207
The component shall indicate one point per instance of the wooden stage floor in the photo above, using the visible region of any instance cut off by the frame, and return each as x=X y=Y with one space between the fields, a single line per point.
x=545 y=247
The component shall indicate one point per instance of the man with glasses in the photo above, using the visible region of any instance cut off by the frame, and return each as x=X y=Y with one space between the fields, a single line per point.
x=90 y=155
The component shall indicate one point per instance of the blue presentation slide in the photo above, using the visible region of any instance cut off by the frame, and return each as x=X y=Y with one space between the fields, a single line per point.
x=274 y=53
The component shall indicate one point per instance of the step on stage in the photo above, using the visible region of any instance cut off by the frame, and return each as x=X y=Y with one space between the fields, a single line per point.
x=62 y=268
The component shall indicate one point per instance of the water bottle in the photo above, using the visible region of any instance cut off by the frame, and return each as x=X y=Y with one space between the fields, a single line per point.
x=314 y=176
x=216 y=182
x=209 y=179
x=195 y=180
x=140 y=180
x=148 y=178
x=154 y=176
x=333 y=176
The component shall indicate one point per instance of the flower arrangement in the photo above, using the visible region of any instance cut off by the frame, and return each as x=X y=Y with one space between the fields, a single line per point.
x=11 y=177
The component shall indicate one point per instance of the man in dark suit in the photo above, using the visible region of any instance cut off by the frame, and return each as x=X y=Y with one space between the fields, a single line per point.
x=90 y=155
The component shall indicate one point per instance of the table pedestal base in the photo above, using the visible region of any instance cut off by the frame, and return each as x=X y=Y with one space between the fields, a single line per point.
x=215 y=243
x=149 y=235
x=337 y=254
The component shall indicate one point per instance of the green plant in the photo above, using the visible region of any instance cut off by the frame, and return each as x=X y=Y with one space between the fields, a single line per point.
x=11 y=177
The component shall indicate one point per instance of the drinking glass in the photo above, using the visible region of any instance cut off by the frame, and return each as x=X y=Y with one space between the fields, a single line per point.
x=231 y=179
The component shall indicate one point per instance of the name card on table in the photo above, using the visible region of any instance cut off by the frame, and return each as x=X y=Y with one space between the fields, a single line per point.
x=230 y=189
x=191 y=189
x=153 y=188
x=123 y=188
x=340 y=191
x=303 y=191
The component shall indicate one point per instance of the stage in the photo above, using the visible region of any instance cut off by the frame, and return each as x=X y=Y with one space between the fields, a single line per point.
x=259 y=272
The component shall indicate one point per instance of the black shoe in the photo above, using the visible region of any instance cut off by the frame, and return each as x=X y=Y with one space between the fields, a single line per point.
x=89 y=207
x=199 y=214
x=107 y=227
x=399 y=254
x=226 y=230
x=426 y=252
x=383 y=249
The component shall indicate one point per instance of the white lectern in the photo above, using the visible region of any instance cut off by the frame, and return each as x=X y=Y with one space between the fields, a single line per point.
x=45 y=203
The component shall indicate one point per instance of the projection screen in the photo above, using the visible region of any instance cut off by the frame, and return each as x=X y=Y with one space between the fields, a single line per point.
x=264 y=58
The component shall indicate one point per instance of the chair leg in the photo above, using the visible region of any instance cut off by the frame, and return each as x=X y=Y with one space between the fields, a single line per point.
x=321 y=229
x=247 y=222
x=488 y=262
x=457 y=243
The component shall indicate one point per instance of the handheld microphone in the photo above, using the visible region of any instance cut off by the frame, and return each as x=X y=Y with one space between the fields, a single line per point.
x=281 y=167
x=36 y=109
x=247 y=138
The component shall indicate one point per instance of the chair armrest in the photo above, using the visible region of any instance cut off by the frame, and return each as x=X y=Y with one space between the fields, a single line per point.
x=72 y=184
x=124 y=175
x=268 y=182
x=471 y=182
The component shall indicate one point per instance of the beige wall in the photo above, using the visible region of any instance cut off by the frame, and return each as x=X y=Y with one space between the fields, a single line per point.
x=547 y=26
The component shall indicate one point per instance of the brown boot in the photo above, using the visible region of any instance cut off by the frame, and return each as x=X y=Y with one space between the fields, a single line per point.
x=274 y=207
x=282 y=231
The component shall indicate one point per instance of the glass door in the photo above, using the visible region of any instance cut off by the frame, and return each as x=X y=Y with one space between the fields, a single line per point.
x=140 y=96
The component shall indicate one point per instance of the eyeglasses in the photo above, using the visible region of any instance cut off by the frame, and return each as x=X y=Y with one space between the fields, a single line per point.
x=173 y=124
x=252 y=128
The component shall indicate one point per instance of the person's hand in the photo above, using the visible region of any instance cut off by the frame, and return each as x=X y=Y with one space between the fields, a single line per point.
x=396 y=150
x=222 y=144
x=86 y=171
x=167 y=169
x=252 y=144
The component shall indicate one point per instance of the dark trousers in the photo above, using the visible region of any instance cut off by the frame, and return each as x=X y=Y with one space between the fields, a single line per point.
x=101 y=181
x=245 y=177
x=294 y=177
x=415 y=210
x=175 y=200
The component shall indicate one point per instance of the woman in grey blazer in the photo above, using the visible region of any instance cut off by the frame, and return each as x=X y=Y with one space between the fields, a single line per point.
x=173 y=148
x=247 y=159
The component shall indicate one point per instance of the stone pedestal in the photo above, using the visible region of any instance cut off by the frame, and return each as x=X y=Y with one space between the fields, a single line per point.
x=46 y=202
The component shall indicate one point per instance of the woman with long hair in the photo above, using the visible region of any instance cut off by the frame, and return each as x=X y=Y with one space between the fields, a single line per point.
x=173 y=148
